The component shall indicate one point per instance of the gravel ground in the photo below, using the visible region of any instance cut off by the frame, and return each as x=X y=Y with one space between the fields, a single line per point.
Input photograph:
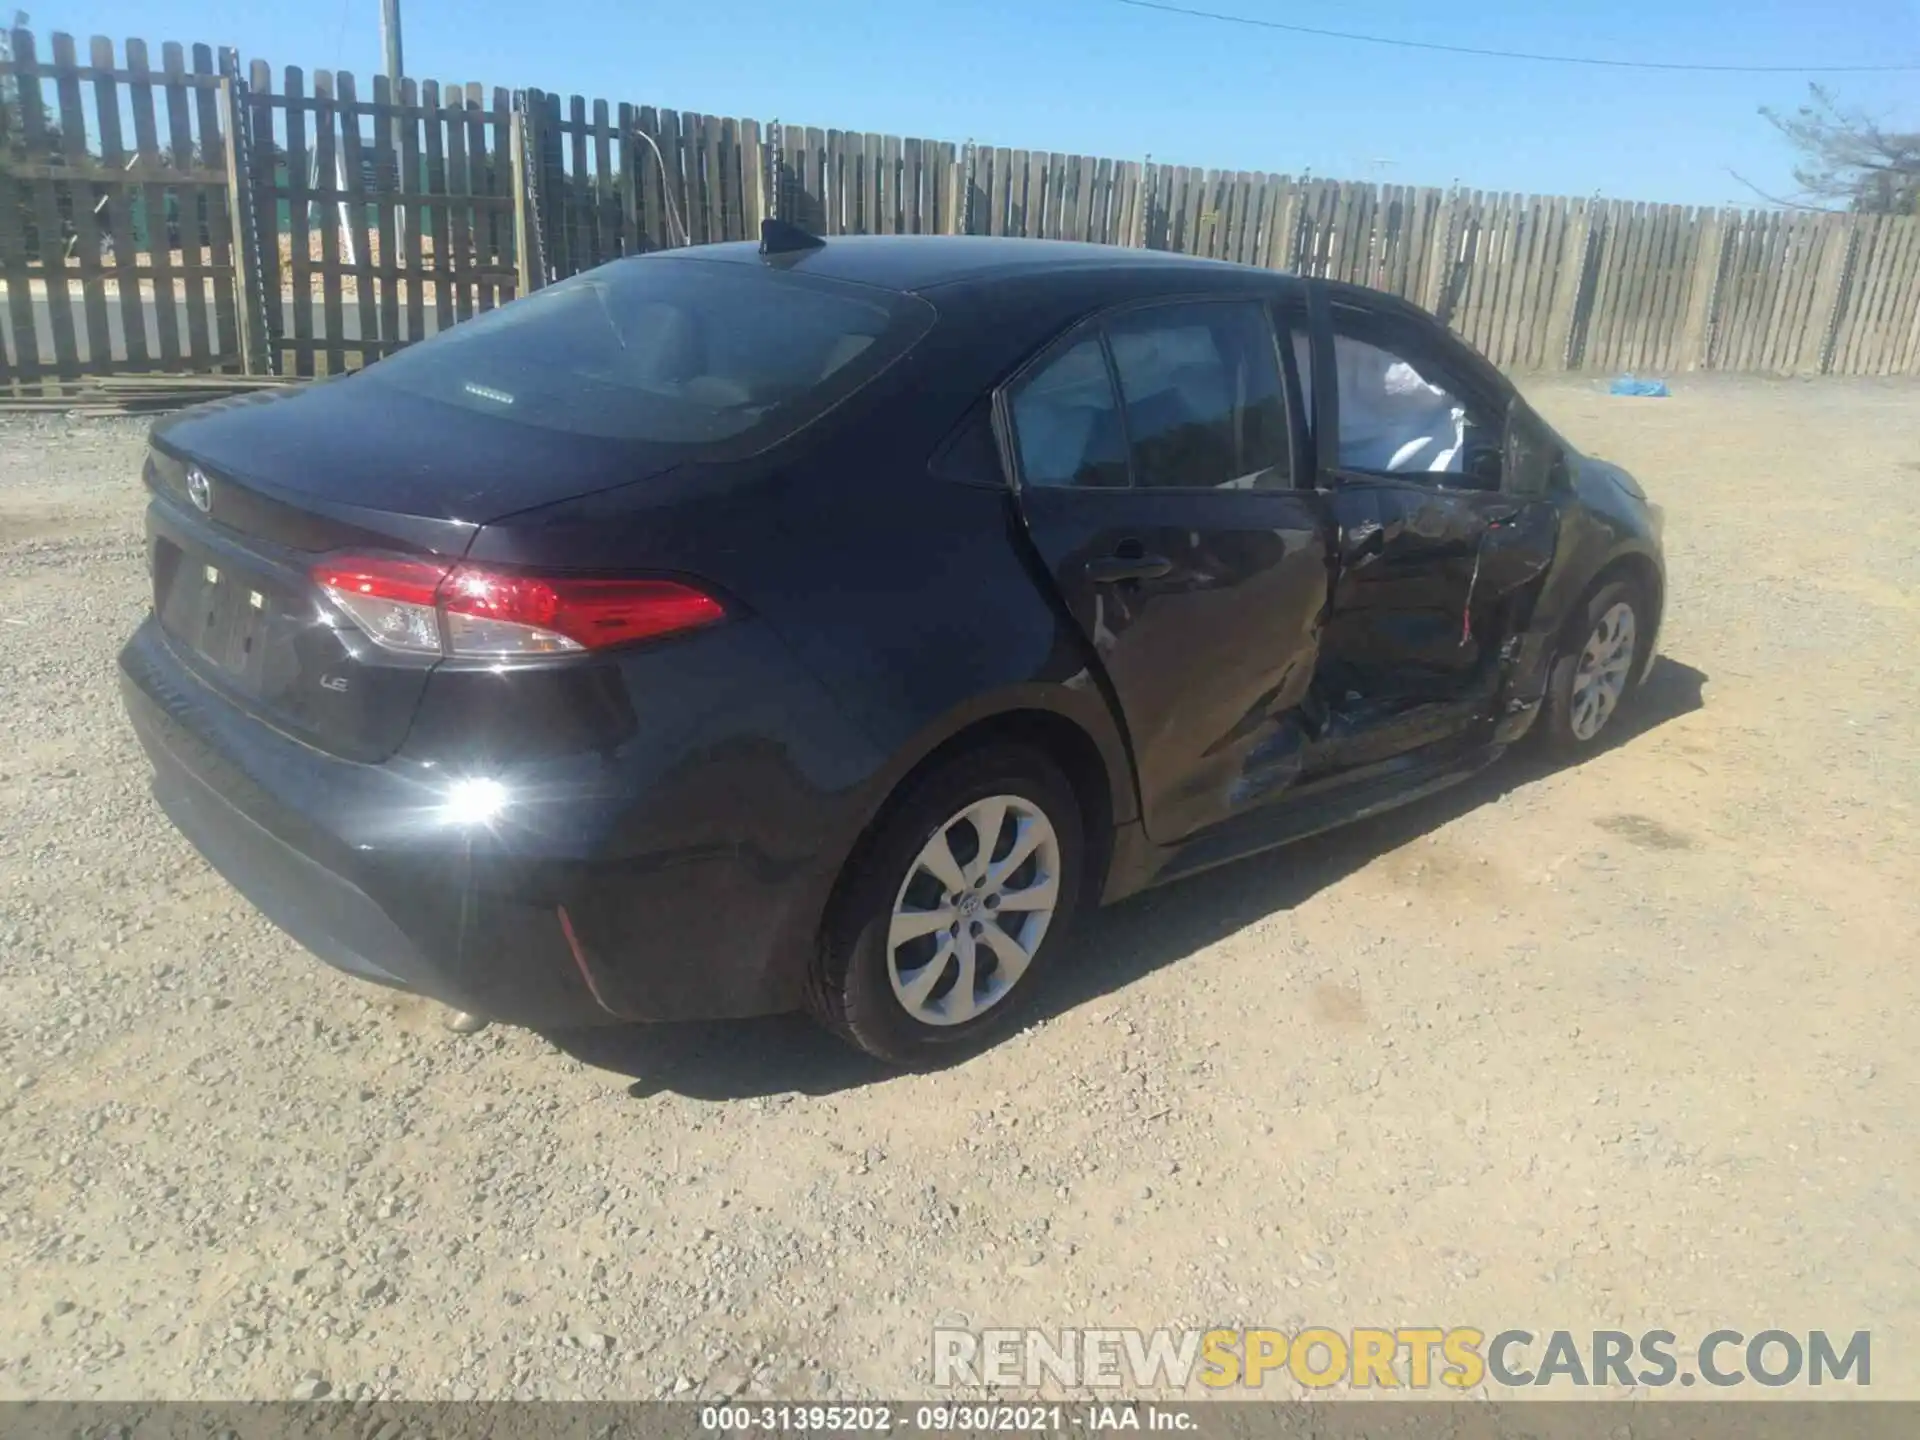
x=1631 y=1044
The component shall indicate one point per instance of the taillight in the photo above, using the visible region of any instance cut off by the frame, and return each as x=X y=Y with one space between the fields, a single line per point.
x=392 y=600
x=466 y=610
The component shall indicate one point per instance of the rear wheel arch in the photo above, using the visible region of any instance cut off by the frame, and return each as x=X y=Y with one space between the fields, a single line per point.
x=1063 y=740
x=872 y=988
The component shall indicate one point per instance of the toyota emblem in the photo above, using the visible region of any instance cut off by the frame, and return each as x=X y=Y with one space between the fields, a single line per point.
x=200 y=490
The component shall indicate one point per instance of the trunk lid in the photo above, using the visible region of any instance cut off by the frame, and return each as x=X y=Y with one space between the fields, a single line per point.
x=288 y=478
x=399 y=463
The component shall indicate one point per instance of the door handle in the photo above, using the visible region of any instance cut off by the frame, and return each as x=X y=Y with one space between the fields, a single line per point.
x=1128 y=563
x=1501 y=514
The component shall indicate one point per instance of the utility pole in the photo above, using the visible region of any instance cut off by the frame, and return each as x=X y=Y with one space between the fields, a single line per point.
x=390 y=42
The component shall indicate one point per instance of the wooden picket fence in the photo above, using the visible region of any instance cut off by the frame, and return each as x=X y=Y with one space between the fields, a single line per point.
x=196 y=218
x=116 y=250
x=377 y=221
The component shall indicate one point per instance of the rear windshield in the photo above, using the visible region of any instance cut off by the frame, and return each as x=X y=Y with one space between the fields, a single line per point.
x=674 y=351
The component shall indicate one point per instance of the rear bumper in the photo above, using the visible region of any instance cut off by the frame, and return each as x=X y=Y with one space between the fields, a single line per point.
x=509 y=961
x=328 y=915
x=546 y=926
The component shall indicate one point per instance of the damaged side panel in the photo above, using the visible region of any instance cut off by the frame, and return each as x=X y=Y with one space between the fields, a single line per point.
x=1405 y=559
x=1429 y=585
x=1204 y=612
x=1514 y=553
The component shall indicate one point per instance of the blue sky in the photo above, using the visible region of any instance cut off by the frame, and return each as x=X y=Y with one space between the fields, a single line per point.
x=1100 y=78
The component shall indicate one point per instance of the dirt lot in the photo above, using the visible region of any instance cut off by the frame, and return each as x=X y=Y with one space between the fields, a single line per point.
x=1632 y=1044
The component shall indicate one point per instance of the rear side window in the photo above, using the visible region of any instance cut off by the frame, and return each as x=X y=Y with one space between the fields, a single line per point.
x=1203 y=397
x=1201 y=404
x=666 y=350
x=1066 y=424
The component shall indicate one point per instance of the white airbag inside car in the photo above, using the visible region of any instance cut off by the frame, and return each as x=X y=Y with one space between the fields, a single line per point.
x=1392 y=418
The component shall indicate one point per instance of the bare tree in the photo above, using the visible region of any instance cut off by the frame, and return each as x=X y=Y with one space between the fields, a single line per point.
x=1848 y=159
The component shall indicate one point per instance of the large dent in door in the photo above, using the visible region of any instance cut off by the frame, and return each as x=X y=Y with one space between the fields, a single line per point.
x=1394 y=523
x=1431 y=587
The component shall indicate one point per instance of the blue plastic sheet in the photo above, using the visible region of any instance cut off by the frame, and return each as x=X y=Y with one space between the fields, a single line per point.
x=1627 y=385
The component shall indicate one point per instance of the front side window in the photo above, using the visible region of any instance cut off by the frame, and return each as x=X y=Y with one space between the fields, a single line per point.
x=1401 y=411
x=667 y=350
x=1204 y=398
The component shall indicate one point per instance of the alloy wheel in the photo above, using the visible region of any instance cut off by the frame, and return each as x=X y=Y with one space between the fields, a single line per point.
x=973 y=909
x=1606 y=663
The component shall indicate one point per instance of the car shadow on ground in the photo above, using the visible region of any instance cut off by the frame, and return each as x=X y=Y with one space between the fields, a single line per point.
x=743 y=1059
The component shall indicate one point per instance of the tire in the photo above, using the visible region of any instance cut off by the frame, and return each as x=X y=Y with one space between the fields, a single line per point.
x=1576 y=718
x=884 y=997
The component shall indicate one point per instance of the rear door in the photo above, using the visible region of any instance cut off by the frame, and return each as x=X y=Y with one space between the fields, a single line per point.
x=1155 y=451
x=1430 y=546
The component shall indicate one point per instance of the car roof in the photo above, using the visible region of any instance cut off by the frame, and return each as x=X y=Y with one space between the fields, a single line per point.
x=923 y=262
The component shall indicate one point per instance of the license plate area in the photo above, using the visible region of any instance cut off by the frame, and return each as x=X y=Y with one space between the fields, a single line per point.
x=227 y=614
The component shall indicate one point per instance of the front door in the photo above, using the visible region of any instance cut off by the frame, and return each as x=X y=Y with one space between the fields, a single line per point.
x=1430 y=551
x=1155 y=452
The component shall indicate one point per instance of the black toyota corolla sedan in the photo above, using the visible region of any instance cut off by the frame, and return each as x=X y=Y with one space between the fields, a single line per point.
x=822 y=624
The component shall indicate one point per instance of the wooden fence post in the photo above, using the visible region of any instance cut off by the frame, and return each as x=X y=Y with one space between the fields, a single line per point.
x=1443 y=250
x=246 y=250
x=1569 y=286
x=753 y=202
x=1701 y=294
x=525 y=278
x=1823 y=315
x=1907 y=358
x=947 y=177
